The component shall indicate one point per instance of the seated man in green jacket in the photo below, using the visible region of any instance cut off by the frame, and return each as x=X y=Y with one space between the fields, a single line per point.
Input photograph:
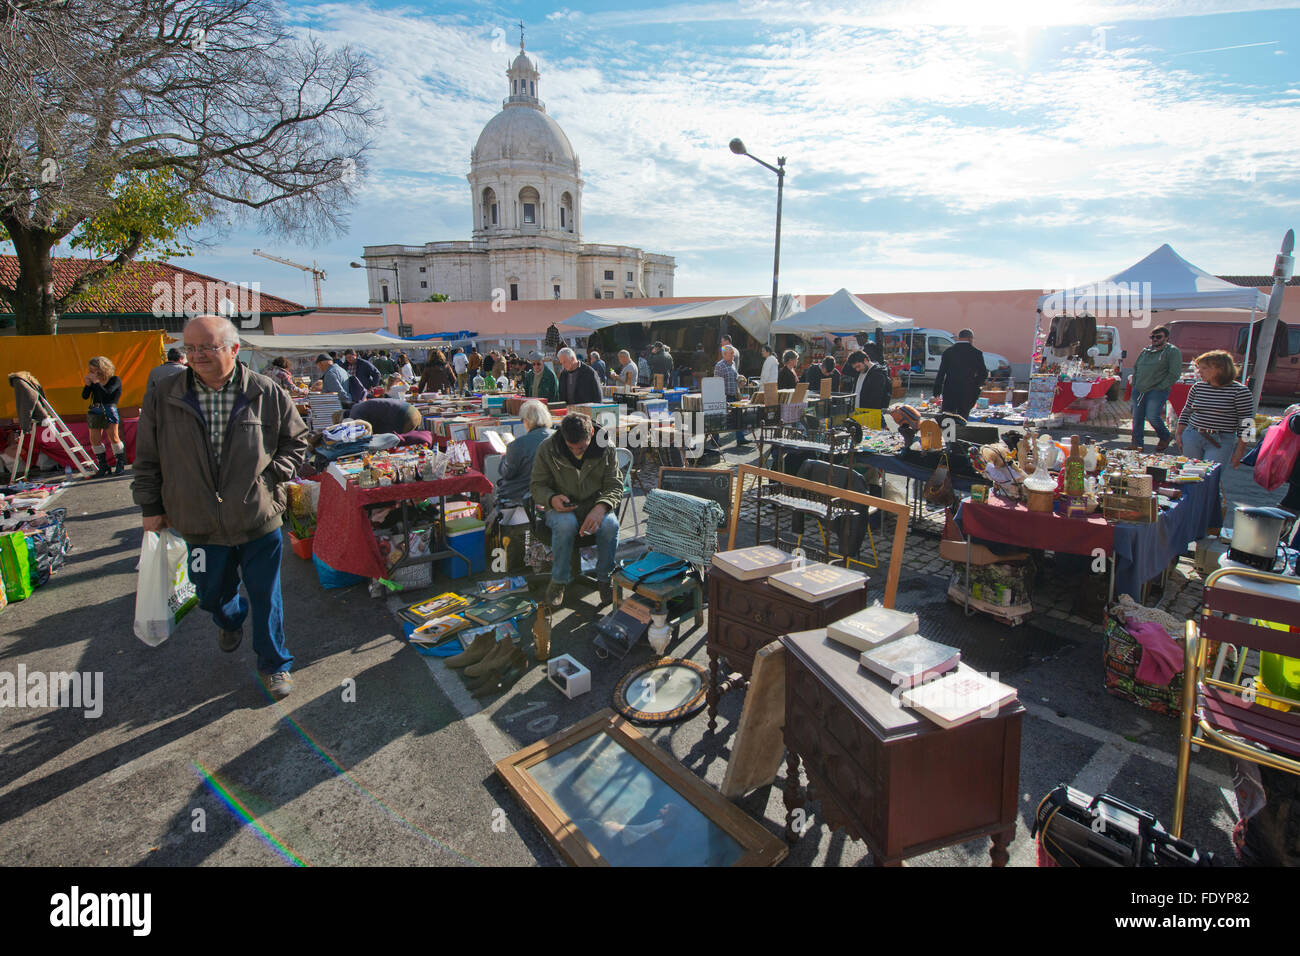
x=540 y=381
x=578 y=482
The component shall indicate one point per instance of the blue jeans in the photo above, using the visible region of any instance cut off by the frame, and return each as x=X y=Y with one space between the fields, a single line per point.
x=258 y=563
x=1150 y=407
x=564 y=531
x=1195 y=445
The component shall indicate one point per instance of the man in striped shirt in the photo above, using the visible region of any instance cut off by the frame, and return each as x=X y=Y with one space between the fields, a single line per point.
x=1219 y=414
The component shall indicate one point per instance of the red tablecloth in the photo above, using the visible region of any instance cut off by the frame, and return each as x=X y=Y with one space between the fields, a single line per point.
x=345 y=539
x=1002 y=521
x=82 y=432
x=1066 y=396
x=1177 y=395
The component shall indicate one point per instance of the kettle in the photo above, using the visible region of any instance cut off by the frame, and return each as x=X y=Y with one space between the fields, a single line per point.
x=1256 y=533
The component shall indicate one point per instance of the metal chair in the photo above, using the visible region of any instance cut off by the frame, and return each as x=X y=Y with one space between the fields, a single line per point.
x=1235 y=717
x=624 y=456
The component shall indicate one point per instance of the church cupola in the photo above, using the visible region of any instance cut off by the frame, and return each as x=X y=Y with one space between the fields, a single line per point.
x=523 y=77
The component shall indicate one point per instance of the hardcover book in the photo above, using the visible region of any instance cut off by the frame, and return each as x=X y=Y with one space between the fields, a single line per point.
x=746 y=564
x=818 y=582
x=872 y=627
x=959 y=697
x=439 y=629
x=501 y=610
x=501 y=587
x=910 y=660
x=423 y=611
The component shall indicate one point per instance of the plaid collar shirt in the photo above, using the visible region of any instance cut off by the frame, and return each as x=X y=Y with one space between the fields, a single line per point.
x=727 y=372
x=217 y=404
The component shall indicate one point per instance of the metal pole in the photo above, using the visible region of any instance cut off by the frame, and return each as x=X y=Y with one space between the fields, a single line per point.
x=1245 y=355
x=776 y=257
x=398 y=274
x=1283 y=267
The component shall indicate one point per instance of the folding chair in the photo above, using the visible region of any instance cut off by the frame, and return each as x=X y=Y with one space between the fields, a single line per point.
x=1236 y=717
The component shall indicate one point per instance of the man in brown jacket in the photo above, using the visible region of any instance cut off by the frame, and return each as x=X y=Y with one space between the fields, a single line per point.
x=578 y=482
x=212 y=448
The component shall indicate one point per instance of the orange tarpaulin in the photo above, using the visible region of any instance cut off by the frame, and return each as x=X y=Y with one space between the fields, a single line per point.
x=59 y=364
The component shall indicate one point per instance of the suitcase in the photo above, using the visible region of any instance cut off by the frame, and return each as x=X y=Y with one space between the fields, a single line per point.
x=1074 y=829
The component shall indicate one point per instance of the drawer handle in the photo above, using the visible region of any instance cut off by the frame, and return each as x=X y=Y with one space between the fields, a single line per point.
x=758 y=617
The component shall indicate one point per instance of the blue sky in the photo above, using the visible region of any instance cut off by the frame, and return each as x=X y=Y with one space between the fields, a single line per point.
x=955 y=145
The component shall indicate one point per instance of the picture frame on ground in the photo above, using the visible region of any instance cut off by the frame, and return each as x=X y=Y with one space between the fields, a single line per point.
x=604 y=795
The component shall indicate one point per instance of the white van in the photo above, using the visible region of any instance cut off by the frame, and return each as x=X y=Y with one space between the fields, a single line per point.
x=921 y=349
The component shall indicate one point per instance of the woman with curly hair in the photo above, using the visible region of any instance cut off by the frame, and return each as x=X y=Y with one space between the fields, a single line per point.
x=105 y=388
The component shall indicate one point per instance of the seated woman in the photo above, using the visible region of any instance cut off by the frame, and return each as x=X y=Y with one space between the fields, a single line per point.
x=517 y=464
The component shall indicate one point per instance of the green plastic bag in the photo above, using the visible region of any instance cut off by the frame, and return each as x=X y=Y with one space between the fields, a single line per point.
x=15 y=566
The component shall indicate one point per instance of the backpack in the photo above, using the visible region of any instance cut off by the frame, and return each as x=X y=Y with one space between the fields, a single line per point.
x=1277 y=453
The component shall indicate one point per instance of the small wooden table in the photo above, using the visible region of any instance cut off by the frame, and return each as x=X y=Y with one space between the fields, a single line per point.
x=747 y=615
x=663 y=592
x=885 y=774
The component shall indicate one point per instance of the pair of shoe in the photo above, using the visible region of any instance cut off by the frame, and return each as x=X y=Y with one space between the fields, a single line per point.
x=491 y=669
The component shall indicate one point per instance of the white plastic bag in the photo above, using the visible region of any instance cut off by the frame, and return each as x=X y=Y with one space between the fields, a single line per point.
x=164 y=593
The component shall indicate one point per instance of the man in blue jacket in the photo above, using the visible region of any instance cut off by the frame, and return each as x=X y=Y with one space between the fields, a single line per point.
x=363 y=369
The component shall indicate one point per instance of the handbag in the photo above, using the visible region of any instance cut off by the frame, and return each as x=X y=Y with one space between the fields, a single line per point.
x=654 y=568
x=938 y=489
x=1075 y=830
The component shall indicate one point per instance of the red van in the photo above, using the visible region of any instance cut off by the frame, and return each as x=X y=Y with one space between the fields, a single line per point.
x=1283 y=376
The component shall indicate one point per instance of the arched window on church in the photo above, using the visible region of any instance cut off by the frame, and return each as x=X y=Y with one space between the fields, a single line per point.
x=489 y=208
x=529 y=201
x=566 y=212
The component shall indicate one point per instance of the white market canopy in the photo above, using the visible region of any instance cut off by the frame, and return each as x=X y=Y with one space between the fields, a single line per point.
x=1161 y=282
x=752 y=313
x=842 y=313
x=287 y=345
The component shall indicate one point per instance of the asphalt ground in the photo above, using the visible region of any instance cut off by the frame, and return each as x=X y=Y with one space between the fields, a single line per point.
x=381 y=757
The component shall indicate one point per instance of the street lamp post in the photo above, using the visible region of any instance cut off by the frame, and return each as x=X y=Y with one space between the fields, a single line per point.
x=738 y=148
x=393 y=269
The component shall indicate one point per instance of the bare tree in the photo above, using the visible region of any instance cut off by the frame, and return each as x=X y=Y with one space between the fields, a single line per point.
x=249 y=118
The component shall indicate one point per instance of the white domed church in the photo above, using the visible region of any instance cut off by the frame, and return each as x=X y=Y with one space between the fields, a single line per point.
x=526 y=199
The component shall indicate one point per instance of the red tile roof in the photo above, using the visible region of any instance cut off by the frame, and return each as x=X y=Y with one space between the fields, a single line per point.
x=133 y=290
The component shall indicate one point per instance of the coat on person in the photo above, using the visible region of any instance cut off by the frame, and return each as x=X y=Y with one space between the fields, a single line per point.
x=517 y=465
x=175 y=471
x=595 y=480
x=580 y=386
x=546 y=386
x=961 y=373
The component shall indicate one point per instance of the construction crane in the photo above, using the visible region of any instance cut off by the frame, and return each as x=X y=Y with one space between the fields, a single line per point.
x=316 y=273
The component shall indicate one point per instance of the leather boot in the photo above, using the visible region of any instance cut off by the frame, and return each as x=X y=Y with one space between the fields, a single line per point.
x=516 y=667
x=102 y=458
x=494 y=660
x=478 y=649
x=119 y=464
x=492 y=673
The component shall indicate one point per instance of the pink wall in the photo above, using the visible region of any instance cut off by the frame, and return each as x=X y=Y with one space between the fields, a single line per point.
x=1003 y=321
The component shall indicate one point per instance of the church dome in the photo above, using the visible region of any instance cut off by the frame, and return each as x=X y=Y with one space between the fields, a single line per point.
x=521 y=132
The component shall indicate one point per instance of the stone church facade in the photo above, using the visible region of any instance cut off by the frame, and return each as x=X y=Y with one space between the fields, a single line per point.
x=526 y=195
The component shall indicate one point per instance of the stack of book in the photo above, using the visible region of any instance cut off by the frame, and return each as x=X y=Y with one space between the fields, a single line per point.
x=933 y=680
x=424 y=611
x=499 y=588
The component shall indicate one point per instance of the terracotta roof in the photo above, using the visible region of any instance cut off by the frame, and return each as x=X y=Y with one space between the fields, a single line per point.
x=1257 y=282
x=133 y=290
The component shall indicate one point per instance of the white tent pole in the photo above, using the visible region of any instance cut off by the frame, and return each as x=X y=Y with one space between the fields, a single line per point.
x=1250 y=331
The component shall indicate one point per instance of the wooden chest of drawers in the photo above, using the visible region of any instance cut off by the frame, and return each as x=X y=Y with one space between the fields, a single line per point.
x=886 y=774
x=747 y=615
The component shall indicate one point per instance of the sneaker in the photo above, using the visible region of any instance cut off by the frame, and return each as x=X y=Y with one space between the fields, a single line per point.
x=555 y=594
x=229 y=641
x=279 y=684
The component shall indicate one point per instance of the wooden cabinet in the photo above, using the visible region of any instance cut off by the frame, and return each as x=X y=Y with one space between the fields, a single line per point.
x=884 y=773
x=746 y=615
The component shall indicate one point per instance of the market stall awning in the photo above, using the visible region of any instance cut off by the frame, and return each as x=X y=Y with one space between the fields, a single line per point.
x=321 y=342
x=1163 y=281
x=751 y=312
x=842 y=313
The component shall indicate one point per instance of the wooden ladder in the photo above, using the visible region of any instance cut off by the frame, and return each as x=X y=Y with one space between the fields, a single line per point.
x=54 y=429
